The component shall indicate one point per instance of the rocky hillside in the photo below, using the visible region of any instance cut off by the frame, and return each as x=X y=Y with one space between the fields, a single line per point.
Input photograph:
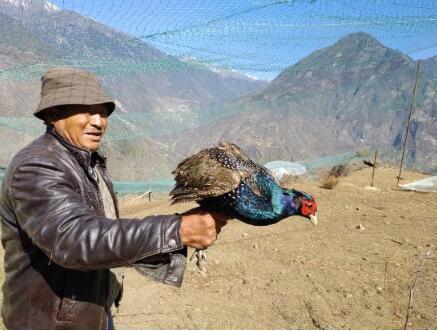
x=35 y=35
x=353 y=94
x=140 y=76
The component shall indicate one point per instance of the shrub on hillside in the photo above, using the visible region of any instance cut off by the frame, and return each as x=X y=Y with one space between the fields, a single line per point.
x=328 y=182
x=341 y=170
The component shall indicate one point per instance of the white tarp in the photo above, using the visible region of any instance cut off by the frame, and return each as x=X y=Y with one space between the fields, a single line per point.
x=424 y=185
x=281 y=168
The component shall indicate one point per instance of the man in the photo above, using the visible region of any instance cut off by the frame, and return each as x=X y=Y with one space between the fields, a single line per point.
x=59 y=214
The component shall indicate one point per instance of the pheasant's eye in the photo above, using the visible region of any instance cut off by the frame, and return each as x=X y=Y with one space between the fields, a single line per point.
x=310 y=205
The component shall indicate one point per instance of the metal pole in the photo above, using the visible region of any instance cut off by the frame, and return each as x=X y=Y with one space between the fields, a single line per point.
x=409 y=122
x=374 y=167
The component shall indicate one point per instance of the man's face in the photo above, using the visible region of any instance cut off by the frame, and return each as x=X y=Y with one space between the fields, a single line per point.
x=82 y=126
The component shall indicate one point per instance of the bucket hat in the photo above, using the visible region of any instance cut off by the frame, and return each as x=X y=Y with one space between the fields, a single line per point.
x=71 y=86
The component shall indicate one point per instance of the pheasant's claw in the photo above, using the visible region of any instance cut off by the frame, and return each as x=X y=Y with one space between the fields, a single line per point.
x=200 y=257
x=202 y=254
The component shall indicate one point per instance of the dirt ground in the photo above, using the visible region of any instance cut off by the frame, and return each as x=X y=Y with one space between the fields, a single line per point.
x=352 y=271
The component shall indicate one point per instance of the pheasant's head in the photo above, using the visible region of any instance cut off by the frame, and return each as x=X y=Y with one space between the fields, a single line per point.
x=307 y=207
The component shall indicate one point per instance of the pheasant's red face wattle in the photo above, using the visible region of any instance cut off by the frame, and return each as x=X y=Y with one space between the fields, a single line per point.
x=309 y=210
x=309 y=207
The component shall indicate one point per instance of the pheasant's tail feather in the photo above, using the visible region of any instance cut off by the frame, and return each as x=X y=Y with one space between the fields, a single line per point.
x=194 y=194
x=182 y=199
x=178 y=189
x=185 y=195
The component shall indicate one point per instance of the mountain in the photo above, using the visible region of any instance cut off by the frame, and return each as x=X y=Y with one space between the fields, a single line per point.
x=35 y=35
x=429 y=67
x=150 y=79
x=354 y=94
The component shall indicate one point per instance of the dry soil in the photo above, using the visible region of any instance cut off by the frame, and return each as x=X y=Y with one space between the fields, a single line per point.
x=352 y=271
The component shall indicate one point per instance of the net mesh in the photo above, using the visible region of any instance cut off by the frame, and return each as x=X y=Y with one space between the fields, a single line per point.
x=224 y=34
x=175 y=67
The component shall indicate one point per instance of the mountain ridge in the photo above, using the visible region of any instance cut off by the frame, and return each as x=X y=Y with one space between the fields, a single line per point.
x=354 y=94
x=351 y=95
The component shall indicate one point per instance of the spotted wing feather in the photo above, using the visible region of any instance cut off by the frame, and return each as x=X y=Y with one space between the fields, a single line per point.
x=201 y=176
x=230 y=155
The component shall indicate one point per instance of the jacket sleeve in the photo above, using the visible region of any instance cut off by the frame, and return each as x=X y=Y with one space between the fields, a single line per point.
x=54 y=216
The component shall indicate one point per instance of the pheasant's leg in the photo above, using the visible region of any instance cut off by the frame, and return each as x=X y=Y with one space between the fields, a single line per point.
x=200 y=255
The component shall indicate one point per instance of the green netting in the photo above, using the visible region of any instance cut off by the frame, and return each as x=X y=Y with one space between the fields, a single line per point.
x=101 y=68
x=2 y=172
x=186 y=73
x=225 y=34
x=312 y=165
x=329 y=161
x=20 y=124
x=137 y=187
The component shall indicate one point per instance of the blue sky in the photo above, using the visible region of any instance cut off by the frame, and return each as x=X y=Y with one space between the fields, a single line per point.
x=261 y=37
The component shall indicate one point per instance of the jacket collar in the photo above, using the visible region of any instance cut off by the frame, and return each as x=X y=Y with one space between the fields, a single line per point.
x=85 y=157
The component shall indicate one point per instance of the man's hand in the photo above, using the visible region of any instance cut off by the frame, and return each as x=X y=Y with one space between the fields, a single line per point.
x=199 y=229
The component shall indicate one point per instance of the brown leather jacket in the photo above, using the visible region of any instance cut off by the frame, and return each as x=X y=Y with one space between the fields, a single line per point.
x=59 y=246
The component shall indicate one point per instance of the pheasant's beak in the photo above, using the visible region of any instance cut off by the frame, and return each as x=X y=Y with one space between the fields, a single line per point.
x=313 y=219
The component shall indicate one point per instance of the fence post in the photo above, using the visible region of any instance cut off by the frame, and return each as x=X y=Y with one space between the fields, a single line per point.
x=409 y=122
x=374 y=167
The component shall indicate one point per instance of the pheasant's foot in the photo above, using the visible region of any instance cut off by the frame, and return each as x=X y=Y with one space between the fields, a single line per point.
x=199 y=257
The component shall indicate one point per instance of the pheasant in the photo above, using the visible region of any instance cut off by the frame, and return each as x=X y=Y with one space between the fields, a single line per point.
x=224 y=179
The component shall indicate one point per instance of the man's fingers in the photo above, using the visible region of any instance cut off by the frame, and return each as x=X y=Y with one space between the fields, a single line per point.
x=200 y=228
